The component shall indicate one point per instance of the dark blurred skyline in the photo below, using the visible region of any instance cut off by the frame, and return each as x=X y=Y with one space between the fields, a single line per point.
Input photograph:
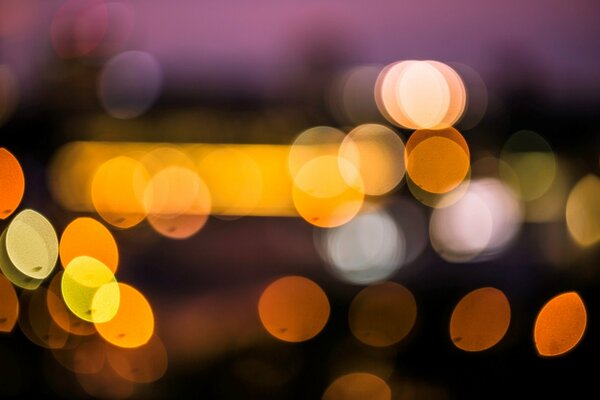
x=258 y=46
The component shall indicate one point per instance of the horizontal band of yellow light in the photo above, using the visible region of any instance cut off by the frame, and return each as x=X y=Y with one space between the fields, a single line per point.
x=244 y=179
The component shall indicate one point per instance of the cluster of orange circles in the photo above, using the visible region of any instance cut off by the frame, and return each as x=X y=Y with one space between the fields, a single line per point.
x=333 y=172
x=122 y=350
x=296 y=309
x=161 y=186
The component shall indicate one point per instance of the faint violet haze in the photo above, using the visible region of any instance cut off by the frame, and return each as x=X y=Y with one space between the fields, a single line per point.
x=258 y=44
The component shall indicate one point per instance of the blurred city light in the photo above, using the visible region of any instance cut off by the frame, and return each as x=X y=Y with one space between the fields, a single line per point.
x=282 y=200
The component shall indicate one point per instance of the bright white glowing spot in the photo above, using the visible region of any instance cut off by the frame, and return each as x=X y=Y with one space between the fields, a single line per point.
x=423 y=94
x=420 y=94
x=368 y=249
x=481 y=224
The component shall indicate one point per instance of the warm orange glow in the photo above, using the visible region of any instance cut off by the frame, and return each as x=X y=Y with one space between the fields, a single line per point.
x=178 y=202
x=312 y=143
x=12 y=183
x=458 y=94
x=480 y=319
x=117 y=191
x=358 y=386
x=560 y=324
x=235 y=180
x=72 y=171
x=9 y=305
x=437 y=161
x=88 y=237
x=321 y=194
x=439 y=200
x=293 y=309
x=241 y=179
x=60 y=312
x=88 y=356
x=377 y=152
x=106 y=384
x=37 y=324
x=133 y=325
x=143 y=364
x=382 y=315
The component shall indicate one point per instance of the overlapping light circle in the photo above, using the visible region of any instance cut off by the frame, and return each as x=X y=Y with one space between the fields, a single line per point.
x=479 y=225
x=420 y=94
x=90 y=290
x=437 y=160
x=377 y=153
x=369 y=248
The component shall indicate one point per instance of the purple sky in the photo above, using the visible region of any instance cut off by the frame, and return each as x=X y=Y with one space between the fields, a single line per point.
x=261 y=41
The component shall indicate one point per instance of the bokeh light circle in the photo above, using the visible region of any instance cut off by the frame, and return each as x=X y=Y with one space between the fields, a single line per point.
x=437 y=160
x=129 y=84
x=117 y=191
x=583 y=211
x=133 y=324
x=312 y=143
x=78 y=27
x=90 y=290
x=61 y=314
x=377 y=152
x=560 y=324
x=30 y=249
x=479 y=226
x=531 y=164
x=9 y=305
x=85 y=236
x=144 y=364
x=480 y=319
x=293 y=309
x=383 y=314
x=369 y=248
x=178 y=202
x=322 y=196
x=420 y=94
x=12 y=183
x=351 y=95
x=358 y=386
